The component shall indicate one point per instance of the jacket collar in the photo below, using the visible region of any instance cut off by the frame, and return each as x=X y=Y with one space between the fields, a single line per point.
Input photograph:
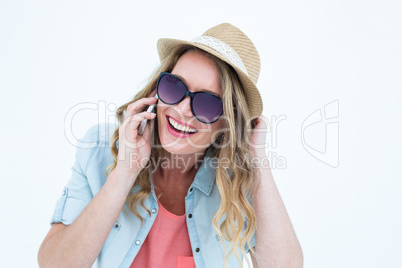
x=205 y=178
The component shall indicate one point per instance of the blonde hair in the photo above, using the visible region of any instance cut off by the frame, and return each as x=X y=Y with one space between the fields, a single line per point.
x=235 y=181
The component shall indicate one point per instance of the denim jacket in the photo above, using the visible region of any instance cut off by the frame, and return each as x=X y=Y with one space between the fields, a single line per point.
x=127 y=235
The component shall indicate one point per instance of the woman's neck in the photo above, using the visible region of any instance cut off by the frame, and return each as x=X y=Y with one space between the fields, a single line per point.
x=177 y=169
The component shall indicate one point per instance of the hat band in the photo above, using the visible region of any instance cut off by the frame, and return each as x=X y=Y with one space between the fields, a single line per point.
x=229 y=53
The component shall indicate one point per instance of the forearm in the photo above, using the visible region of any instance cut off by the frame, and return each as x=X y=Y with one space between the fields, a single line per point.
x=276 y=241
x=79 y=244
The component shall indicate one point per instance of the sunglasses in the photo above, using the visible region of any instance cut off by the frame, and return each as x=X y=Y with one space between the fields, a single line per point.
x=206 y=107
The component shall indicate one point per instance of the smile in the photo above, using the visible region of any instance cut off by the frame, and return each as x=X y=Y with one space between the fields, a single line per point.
x=179 y=130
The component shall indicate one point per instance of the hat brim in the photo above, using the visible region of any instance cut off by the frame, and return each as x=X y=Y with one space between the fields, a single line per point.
x=251 y=92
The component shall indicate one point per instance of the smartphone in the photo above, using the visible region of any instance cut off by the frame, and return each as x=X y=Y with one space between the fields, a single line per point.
x=144 y=122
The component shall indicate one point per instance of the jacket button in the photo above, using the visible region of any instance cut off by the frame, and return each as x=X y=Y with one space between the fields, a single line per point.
x=191 y=189
x=64 y=192
x=116 y=225
x=197 y=249
x=137 y=242
x=190 y=215
x=153 y=210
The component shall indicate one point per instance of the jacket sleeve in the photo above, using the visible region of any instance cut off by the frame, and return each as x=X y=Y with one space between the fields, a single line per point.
x=77 y=193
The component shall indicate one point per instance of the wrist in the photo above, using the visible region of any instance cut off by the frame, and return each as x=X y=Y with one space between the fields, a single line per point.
x=127 y=177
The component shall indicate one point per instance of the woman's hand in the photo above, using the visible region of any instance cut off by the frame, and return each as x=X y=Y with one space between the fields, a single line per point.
x=134 y=149
x=257 y=148
x=258 y=137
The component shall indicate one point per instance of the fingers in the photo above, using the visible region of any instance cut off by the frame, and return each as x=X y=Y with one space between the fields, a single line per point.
x=137 y=106
x=133 y=121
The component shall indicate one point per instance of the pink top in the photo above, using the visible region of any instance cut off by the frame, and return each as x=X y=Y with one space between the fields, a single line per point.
x=167 y=244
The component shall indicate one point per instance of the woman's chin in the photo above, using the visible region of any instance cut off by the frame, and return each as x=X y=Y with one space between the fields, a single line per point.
x=173 y=146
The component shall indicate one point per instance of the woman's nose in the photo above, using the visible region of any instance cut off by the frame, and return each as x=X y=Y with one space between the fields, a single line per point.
x=184 y=107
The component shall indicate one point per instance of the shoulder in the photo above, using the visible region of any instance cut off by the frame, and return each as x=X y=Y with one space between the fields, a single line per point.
x=95 y=145
x=98 y=134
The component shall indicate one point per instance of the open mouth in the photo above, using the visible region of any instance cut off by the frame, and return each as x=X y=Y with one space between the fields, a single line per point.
x=178 y=129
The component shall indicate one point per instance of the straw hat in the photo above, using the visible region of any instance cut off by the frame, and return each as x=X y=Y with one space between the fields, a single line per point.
x=231 y=45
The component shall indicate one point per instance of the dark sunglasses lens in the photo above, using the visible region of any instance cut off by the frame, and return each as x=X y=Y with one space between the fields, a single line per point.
x=170 y=89
x=207 y=107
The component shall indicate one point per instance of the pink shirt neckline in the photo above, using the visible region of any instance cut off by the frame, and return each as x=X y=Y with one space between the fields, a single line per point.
x=157 y=250
x=169 y=214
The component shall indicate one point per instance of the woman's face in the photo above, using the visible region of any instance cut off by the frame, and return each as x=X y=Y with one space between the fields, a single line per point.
x=199 y=73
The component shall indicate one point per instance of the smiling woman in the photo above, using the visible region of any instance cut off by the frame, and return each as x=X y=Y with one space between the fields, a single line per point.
x=213 y=140
x=125 y=208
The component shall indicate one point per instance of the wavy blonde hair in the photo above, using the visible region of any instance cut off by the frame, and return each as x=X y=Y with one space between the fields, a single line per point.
x=234 y=181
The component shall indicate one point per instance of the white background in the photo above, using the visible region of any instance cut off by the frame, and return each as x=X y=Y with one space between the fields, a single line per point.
x=55 y=55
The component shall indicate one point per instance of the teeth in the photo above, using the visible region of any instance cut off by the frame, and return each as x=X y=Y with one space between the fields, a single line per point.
x=180 y=127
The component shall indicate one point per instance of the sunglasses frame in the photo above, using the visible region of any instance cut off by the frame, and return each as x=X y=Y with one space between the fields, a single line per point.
x=188 y=93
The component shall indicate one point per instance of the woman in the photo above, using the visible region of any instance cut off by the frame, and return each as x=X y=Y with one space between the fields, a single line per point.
x=188 y=191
